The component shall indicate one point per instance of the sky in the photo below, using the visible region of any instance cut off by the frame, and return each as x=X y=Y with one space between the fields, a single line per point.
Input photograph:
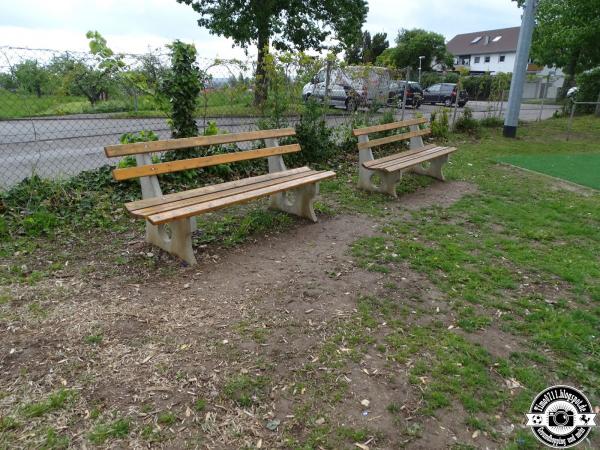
x=134 y=26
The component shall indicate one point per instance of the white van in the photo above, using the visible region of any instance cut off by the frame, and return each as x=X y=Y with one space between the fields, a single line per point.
x=351 y=87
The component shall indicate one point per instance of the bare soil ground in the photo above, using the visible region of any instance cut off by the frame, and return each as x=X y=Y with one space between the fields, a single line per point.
x=237 y=352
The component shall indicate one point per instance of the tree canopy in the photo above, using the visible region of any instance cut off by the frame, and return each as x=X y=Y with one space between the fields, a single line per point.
x=284 y=24
x=410 y=44
x=566 y=35
x=366 y=49
x=32 y=76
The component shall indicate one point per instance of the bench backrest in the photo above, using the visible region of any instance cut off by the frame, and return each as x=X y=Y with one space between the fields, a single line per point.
x=146 y=168
x=415 y=132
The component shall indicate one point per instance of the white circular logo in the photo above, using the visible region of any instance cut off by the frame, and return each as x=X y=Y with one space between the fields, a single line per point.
x=561 y=417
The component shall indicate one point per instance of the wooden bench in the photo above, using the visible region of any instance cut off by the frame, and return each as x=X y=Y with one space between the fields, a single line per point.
x=178 y=210
x=390 y=168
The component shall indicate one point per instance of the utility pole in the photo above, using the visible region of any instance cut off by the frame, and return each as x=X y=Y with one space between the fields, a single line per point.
x=518 y=79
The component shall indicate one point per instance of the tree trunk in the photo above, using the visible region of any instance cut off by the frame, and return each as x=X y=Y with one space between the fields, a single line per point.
x=570 y=78
x=262 y=82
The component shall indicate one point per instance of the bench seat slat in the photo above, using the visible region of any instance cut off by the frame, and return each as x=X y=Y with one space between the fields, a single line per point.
x=204 y=161
x=376 y=162
x=154 y=201
x=417 y=159
x=392 y=138
x=401 y=157
x=212 y=205
x=145 y=212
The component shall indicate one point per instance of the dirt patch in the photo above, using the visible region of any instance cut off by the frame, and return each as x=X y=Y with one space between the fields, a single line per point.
x=498 y=343
x=440 y=193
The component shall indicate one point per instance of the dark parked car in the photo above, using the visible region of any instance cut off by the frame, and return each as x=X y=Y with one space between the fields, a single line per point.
x=444 y=93
x=414 y=93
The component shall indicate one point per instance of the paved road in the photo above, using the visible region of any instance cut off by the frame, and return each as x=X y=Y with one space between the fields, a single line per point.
x=63 y=146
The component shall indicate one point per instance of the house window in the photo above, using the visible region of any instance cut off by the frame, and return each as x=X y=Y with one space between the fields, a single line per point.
x=477 y=59
x=476 y=40
x=502 y=58
x=497 y=38
x=487 y=59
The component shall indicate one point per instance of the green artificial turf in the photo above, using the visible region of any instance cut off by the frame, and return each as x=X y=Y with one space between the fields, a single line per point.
x=580 y=168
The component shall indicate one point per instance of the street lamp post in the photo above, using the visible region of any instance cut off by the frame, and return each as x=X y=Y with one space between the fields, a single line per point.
x=420 y=65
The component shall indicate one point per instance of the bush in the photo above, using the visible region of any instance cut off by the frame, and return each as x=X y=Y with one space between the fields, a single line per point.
x=589 y=88
x=466 y=123
x=440 y=124
x=182 y=85
x=430 y=78
x=492 y=122
x=130 y=138
x=314 y=136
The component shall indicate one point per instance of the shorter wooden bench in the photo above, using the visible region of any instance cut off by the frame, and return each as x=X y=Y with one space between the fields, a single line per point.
x=178 y=210
x=390 y=168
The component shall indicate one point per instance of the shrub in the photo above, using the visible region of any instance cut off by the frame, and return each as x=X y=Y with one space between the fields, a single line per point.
x=589 y=88
x=491 y=122
x=440 y=124
x=466 y=123
x=130 y=138
x=182 y=85
x=314 y=136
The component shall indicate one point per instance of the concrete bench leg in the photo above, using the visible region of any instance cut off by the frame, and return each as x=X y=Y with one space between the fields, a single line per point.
x=435 y=168
x=388 y=181
x=180 y=241
x=301 y=205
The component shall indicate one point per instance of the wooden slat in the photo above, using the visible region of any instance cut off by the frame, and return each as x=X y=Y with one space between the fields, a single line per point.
x=205 y=161
x=433 y=152
x=393 y=138
x=139 y=204
x=388 y=126
x=375 y=162
x=145 y=212
x=199 y=141
x=418 y=160
x=202 y=208
x=407 y=155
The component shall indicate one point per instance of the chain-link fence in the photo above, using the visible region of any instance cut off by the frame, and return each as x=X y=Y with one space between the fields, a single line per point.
x=58 y=109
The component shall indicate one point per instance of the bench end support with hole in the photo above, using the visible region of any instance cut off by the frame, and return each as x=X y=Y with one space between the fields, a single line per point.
x=301 y=204
x=180 y=241
x=434 y=170
x=365 y=176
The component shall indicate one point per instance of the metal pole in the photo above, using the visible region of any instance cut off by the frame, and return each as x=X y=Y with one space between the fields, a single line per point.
x=520 y=69
x=570 y=125
x=405 y=92
x=327 y=82
x=420 y=62
x=598 y=106
x=544 y=98
x=456 y=103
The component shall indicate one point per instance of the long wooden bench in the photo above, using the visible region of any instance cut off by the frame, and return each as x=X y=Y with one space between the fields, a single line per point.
x=178 y=210
x=390 y=168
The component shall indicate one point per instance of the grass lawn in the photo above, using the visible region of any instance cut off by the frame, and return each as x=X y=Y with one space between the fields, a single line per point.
x=427 y=321
x=583 y=169
x=224 y=102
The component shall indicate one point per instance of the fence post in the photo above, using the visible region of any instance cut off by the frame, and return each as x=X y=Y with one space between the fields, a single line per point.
x=327 y=82
x=456 y=103
x=541 y=108
x=405 y=92
x=598 y=106
x=570 y=125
